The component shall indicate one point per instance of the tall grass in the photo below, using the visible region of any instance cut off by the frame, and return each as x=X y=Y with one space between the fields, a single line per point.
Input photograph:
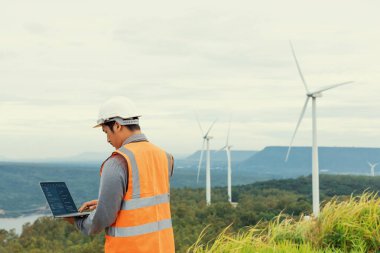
x=351 y=225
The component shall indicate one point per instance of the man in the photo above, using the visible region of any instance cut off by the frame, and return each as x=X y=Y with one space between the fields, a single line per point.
x=133 y=204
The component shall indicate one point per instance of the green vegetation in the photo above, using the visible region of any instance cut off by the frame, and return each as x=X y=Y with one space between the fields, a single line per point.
x=258 y=204
x=343 y=226
x=47 y=235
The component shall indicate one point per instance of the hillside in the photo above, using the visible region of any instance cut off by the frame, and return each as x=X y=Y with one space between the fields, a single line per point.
x=349 y=225
x=257 y=202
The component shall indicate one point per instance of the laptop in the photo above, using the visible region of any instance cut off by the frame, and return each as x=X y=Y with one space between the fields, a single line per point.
x=60 y=201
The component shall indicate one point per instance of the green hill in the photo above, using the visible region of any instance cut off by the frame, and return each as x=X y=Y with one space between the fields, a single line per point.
x=259 y=202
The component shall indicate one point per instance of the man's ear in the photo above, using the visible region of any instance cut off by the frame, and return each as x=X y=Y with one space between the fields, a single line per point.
x=117 y=127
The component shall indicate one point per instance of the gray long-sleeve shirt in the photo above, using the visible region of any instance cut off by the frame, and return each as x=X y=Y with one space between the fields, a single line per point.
x=113 y=186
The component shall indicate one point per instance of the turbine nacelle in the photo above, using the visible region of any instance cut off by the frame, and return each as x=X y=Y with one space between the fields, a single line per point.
x=225 y=147
x=314 y=95
x=372 y=166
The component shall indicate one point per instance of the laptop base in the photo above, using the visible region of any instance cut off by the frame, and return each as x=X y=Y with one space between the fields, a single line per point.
x=84 y=214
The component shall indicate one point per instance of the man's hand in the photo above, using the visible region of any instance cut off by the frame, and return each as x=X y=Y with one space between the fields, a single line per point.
x=89 y=206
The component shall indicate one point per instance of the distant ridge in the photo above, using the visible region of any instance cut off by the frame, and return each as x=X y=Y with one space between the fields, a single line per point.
x=344 y=160
x=86 y=157
x=237 y=155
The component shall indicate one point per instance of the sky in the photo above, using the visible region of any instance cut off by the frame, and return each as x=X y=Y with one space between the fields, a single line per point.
x=60 y=60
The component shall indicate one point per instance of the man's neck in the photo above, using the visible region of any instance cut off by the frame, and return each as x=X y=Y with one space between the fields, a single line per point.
x=132 y=134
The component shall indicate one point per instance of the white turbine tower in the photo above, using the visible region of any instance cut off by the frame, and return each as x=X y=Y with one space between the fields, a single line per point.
x=372 y=166
x=313 y=95
x=206 y=140
x=228 y=147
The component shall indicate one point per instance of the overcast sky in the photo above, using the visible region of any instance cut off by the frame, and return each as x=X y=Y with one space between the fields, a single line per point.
x=59 y=60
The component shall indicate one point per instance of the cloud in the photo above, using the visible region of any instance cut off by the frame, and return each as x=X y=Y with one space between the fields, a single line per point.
x=7 y=55
x=218 y=58
x=37 y=29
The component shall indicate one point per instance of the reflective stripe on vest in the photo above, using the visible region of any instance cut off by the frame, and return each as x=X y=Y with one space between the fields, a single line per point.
x=145 y=202
x=135 y=172
x=139 y=230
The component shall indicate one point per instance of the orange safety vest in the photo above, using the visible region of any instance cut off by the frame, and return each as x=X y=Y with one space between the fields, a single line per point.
x=143 y=223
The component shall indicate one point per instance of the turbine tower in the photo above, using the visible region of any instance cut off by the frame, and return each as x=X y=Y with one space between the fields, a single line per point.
x=206 y=140
x=313 y=95
x=372 y=166
x=228 y=147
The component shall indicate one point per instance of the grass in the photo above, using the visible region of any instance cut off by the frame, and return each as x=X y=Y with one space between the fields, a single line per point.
x=348 y=225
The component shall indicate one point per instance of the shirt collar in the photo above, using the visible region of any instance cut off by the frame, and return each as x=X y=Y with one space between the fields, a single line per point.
x=135 y=138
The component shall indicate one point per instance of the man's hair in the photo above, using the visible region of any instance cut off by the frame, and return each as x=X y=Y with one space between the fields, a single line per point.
x=133 y=127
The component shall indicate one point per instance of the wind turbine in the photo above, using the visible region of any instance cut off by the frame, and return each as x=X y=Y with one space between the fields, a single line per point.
x=313 y=95
x=228 y=147
x=372 y=165
x=206 y=140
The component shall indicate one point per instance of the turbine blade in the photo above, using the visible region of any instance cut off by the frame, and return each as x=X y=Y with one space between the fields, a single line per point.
x=208 y=131
x=221 y=149
x=298 y=67
x=228 y=134
x=200 y=159
x=331 y=87
x=199 y=123
x=298 y=124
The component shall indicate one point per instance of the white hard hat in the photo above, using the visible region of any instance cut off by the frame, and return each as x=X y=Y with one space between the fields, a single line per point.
x=119 y=109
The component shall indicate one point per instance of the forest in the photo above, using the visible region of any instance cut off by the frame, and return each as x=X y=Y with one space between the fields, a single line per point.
x=258 y=202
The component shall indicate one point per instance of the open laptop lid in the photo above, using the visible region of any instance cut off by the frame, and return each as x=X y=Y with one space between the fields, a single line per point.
x=59 y=198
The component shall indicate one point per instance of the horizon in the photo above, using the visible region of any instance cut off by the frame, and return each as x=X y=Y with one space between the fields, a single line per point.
x=178 y=156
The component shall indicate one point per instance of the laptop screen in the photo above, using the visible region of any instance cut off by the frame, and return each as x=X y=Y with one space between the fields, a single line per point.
x=59 y=198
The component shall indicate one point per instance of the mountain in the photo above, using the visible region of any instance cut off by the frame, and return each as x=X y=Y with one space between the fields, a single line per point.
x=236 y=155
x=86 y=157
x=341 y=160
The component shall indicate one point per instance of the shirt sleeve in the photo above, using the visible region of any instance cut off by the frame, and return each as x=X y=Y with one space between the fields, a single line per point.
x=113 y=185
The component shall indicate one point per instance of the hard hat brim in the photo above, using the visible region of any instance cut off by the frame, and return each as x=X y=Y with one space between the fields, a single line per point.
x=121 y=121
